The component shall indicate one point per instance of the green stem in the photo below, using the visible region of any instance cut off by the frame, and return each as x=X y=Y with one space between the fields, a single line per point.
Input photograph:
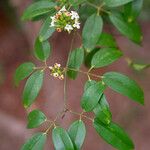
x=39 y=68
x=99 y=8
x=90 y=4
x=65 y=71
x=105 y=11
x=81 y=115
x=65 y=79
x=83 y=72
x=48 y=129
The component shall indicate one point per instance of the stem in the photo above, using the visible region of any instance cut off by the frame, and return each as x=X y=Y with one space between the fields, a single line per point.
x=65 y=90
x=53 y=123
x=89 y=78
x=65 y=79
x=42 y=67
x=60 y=114
x=39 y=68
x=105 y=11
x=99 y=8
x=90 y=4
x=81 y=115
x=45 y=62
x=48 y=129
x=65 y=72
x=83 y=72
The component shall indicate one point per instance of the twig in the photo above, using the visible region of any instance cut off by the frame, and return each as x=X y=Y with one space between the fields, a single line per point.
x=81 y=115
x=83 y=72
x=48 y=129
x=65 y=79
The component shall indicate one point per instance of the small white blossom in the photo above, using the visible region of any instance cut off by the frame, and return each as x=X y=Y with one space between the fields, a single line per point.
x=74 y=15
x=77 y=25
x=68 y=27
x=56 y=71
x=57 y=65
x=61 y=77
x=70 y=20
x=50 y=67
x=55 y=74
x=53 y=18
x=53 y=21
x=52 y=24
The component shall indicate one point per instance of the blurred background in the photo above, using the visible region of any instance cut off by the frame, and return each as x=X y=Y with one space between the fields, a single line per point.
x=16 y=47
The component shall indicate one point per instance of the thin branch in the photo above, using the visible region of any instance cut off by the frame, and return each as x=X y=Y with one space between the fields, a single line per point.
x=49 y=128
x=81 y=115
x=90 y=4
x=83 y=72
x=65 y=79
x=39 y=68
x=65 y=71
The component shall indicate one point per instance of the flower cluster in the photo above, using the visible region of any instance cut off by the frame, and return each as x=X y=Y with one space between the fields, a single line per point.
x=56 y=71
x=65 y=20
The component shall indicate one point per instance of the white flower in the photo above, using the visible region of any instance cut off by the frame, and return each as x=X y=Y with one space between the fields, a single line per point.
x=52 y=24
x=63 y=9
x=77 y=25
x=57 y=65
x=50 y=67
x=61 y=77
x=68 y=27
x=74 y=15
x=53 y=21
x=53 y=18
x=55 y=74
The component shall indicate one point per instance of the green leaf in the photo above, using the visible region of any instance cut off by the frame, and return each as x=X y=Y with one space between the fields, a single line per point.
x=106 y=40
x=92 y=31
x=122 y=84
x=75 y=61
x=105 y=57
x=140 y=67
x=35 y=119
x=42 y=49
x=96 y=2
x=132 y=10
x=130 y=30
x=76 y=2
x=116 y=3
x=46 y=31
x=32 y=88
x=114 y=135
x=23 y=71
x=102 y=111
x=61 y=139
x=137 y=66
x=92 y=95
x=38 y=9
x=89 y=56
x=88 y=84
x=36 y=142
x=85 y=11
x=77 y=133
